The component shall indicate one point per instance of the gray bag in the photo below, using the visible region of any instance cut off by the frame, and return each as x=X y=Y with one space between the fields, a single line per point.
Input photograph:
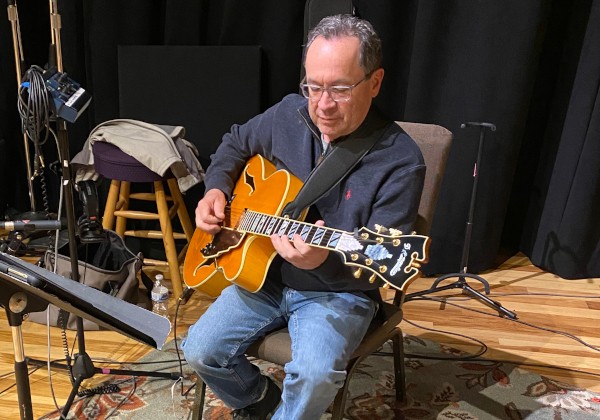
x=108 y=266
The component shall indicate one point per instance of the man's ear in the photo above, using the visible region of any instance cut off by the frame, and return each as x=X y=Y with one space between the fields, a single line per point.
x=376 y=80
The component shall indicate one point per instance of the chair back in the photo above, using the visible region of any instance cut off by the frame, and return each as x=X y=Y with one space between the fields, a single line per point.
x=434 y=142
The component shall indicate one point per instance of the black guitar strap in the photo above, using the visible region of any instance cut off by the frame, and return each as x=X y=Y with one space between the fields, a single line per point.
x=344 y=155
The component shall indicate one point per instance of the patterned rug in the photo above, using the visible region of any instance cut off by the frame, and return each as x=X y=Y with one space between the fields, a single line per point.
x=436 y=389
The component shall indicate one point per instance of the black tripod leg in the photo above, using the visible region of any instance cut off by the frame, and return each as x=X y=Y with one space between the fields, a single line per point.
x=67 y=406
x=502 y=311
x=462 y=284
x=109 y=371
x=83 y=368
x=23 y=390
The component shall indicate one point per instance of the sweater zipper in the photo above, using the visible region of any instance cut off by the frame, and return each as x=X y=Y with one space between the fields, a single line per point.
x=316 y=136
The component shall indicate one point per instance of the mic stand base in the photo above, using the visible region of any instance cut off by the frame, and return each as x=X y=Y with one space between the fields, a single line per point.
x=83 y=368
x=103 y=371
x=461 y=283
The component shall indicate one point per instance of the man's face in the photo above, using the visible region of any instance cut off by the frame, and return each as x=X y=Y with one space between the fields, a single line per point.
x=335 y=62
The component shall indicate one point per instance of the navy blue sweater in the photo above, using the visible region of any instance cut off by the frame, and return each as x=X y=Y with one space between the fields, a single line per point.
x=384 y=188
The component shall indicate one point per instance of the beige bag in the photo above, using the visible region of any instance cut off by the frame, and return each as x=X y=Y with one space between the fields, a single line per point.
x=108 y=266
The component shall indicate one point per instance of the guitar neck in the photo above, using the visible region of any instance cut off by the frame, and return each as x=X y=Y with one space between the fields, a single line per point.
x=318 y=236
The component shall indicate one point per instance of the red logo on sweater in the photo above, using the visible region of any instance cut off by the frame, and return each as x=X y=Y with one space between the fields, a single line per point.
x=348 y=195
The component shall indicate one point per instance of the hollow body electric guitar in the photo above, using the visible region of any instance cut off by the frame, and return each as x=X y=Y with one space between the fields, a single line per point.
x=241 y=252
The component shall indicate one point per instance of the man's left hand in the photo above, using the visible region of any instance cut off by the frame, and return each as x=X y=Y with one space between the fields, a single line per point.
x=299 y=253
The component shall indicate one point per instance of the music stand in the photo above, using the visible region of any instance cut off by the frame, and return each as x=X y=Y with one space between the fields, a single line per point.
x=28 y=288
x=461 y=283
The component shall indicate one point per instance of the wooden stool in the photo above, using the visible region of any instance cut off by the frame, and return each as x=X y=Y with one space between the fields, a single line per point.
x=122 y=170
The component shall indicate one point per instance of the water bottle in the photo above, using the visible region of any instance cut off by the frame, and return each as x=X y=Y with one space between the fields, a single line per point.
x=160 y=297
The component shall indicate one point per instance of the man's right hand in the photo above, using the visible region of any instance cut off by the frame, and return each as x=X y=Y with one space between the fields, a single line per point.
x=210 y=211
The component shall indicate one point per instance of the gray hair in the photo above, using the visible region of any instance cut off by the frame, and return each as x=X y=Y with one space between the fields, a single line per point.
x=370 y=54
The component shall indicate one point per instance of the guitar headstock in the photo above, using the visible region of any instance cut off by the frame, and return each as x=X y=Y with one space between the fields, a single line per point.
x=388 y=254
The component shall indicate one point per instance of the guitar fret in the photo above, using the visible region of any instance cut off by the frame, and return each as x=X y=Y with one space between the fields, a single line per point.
x=293 y=229
x=334 y=239
x=283 y=227
x=271 y=225
x=244 y=221
x=278 y=221
x=317 y=236
x=255 y=222
x=261 y=223
x=248 y=220
x=305 y=231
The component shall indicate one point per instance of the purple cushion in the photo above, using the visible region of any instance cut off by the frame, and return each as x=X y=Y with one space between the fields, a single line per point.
x=112 y=163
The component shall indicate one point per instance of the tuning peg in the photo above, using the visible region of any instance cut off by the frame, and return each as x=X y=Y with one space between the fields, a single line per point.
x=395 y=232
x=380 y=229
x=386 y=285
x=357 y=273
x=372 y=278
x=368 y=261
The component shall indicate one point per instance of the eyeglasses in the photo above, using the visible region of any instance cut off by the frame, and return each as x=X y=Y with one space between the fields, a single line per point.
x=339 y=93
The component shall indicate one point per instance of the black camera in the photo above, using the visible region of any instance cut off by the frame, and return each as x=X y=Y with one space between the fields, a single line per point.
x=89 y=225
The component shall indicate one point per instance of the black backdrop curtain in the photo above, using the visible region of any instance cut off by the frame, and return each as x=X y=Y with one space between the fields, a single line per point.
x=532 y=68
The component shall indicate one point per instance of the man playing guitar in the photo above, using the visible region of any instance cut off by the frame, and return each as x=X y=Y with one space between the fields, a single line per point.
x=307 y=288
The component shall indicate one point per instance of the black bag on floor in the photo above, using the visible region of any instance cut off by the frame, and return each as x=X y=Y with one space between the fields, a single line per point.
x=108 y=266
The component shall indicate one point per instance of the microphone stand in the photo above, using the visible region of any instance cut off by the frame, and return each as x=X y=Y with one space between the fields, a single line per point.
x=83 y=367
x=461 y=283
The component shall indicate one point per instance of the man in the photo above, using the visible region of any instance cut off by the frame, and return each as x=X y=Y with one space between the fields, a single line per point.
x=308 y=289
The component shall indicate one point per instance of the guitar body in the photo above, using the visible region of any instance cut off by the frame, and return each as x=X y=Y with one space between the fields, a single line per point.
x=215 y=262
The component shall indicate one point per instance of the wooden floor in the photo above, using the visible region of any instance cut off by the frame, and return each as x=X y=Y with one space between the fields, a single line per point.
x=558 y=324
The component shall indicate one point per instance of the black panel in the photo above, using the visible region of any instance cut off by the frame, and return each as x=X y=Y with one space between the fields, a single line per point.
x=205 y=89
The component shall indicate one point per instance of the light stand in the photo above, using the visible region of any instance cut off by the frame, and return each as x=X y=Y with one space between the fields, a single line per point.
x=461 y=283
x=13 y=17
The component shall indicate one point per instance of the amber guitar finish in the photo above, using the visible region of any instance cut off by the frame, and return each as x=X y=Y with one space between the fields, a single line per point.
x=242 y=251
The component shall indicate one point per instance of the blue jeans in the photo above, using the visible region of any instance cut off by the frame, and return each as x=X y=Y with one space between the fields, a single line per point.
x=325 y=328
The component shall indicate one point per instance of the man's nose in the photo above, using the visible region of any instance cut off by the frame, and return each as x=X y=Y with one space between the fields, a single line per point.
x=326 y=101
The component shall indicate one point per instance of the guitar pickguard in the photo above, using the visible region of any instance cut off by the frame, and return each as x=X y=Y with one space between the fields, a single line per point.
x=222 y=242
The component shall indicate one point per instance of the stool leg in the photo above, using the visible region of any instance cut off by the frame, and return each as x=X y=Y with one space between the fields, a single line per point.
x=124 y=201
x=108 y=219
x=184 y=217
x=168 y=240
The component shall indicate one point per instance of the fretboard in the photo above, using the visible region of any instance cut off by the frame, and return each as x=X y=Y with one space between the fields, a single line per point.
x=320 y=236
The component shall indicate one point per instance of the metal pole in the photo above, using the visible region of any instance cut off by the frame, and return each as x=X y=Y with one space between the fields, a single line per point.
x=13 y=17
